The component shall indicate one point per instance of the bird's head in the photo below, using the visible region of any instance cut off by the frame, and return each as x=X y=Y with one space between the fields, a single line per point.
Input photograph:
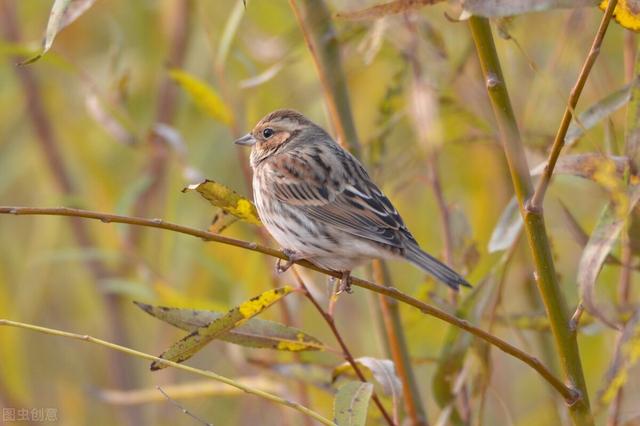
x=275 y=131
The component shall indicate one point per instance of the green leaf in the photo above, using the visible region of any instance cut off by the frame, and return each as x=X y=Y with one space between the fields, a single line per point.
x=255 y=333
x=62 y=14
x=626 y=356
x=383 y=371
x=186 y=347
x=594 y=254
x=351 y=404
x=203 y=95
x=227 y=199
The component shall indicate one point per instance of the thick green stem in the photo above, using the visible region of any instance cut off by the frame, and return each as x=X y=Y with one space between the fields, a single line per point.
x=546 y=278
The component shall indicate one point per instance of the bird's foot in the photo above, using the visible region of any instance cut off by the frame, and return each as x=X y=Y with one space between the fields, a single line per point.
x=292 y=257
x=345 y=283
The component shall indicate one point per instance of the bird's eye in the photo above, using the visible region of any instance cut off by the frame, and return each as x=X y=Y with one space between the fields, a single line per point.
x=267 y=133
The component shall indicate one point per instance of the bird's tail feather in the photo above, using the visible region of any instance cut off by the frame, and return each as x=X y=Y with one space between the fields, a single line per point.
x=434 y=267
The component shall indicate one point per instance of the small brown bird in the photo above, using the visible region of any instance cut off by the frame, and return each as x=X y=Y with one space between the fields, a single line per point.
x=319 y=203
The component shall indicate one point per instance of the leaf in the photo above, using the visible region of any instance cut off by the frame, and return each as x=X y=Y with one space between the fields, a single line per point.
x=586 y=165
x=507 y=229
x=63 y=13
x=597 y=112
x=600 y=243
x=226 y=199
x=496 y=8
x=383 y=371
x=255 y=333
x=627 y=354
x=351 y=404
x=194 y=389
x=626 y=13
x=186 y=347
x=203 y=95
x=384 y=9
x=107 y=119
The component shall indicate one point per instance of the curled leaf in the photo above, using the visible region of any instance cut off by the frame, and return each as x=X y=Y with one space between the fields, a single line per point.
x=226 y=199
x=587 y=165
x=507 y=229
x=600 y=243
x=186 y=347
x=351 y=404
x=497 y=8
x=255 y=333
x=627 y=354
x=203 y=95
x=63 y=13
x=383 y=371
x=384 y=9
x=597 y=112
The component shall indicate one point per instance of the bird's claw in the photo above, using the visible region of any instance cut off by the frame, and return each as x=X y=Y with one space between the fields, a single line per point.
x=345 y=284
x=292 y=257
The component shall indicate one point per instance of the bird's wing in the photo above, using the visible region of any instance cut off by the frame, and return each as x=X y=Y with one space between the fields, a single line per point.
x=334 y=188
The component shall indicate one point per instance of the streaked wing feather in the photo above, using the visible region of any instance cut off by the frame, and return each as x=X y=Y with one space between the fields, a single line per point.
x=338 y=192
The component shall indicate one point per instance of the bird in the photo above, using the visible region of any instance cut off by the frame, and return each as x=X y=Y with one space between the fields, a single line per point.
x=319 y=203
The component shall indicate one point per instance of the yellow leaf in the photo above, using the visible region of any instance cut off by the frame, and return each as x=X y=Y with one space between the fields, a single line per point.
x=203 y=95
x=627 y=13
x=227 y=199
x=253 y=307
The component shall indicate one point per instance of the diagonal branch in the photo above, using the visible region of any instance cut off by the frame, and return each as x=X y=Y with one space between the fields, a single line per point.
x=205 y=373
x=568 y=393
x=345 y=349
x=576 y=91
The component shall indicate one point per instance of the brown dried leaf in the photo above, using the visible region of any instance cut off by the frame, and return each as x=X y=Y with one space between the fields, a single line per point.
x=384 y=9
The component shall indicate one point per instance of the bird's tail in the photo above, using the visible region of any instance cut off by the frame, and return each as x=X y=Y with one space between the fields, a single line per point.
x=434 y=267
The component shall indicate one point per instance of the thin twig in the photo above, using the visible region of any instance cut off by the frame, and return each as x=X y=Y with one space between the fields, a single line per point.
x=576 y=91
x=392 y=292
x=205 y=373
x=398 y=348
x=345 y=349
x=184 y=410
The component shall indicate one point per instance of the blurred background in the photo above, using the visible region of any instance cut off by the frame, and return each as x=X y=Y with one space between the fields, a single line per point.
x=98 y=123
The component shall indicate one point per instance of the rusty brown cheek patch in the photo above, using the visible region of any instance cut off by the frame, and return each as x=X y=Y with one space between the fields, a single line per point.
x=275 y=140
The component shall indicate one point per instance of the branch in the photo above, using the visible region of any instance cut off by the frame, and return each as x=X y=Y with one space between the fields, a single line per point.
x=568 y=393
x=320 y=35
x=205 y=373
x=546 y=277
x=538 y=197
x=345 y=350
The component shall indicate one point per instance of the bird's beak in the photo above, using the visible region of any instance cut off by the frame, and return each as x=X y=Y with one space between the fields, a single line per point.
x=246 y=140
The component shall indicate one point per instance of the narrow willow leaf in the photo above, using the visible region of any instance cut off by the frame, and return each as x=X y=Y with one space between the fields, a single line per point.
x=195 y=389
x=600 y=243
x=226 y=199
x=351 y=404
x=598 y=112
x=255 y=333
x=626 y=13
x=383 y=371
x=381 y=10
x=62 y=14
x=586 y=165
x=203 y=95
x=105 y=118
x=186 y=347
x=496 y=8
x=626 y=356
x=507 y=229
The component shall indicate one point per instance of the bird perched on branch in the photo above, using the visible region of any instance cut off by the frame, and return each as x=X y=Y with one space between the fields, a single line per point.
x=319 y=203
